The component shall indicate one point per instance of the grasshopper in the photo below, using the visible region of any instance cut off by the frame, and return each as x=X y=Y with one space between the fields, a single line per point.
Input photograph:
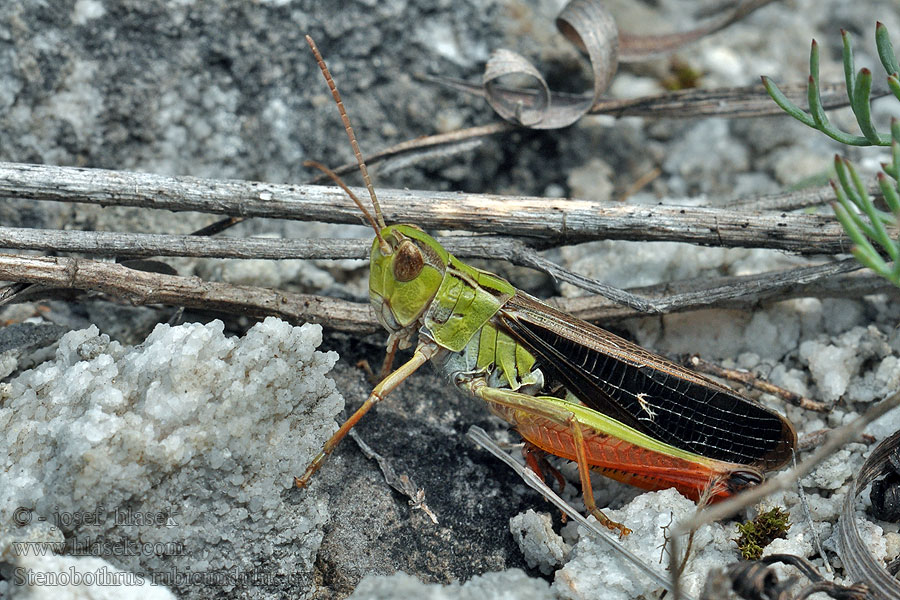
x=570 y=388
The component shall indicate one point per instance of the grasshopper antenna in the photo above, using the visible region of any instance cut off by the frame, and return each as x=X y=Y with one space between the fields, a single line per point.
x=337 y=180
x=378 y=222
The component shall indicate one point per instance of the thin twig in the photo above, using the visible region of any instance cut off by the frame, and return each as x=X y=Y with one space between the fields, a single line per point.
x=813 y=439
x=142 y=287
x=554 y=221
x=807 y=514
x=110 y=243
x=145 y=244
x=732 y=102
x=735 y=292
x=694 y=293
x=423 y=144
x=640 y=183
x=795 y=200
x=401 y=483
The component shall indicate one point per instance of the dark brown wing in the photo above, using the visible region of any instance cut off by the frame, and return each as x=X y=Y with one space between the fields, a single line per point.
x=647 y=392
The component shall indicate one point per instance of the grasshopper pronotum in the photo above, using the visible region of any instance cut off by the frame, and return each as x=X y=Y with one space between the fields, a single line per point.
x=568 y=387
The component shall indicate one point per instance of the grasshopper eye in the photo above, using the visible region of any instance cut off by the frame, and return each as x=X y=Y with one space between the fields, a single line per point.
x=408 y=263
x=743 y=479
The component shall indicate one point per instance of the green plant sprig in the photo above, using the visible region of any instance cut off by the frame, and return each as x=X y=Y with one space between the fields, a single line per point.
x=853 y=202
x=859 y=89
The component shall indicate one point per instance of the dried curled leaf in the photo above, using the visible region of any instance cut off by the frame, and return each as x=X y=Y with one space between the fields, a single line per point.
x=588 y=25
x=858 y=562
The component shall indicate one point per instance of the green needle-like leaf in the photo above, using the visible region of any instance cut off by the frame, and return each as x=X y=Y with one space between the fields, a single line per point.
x=885 y=49
x=879 y=233
x=849 y=222
x=891 y=198
x=895 y=151
x=865 y=224
x=861 y=195
x=849 y=69
x=840 y=169
x=820 y=119
x=859 y=227
x=859 y=90
x=894 y=85
x=859 y=102
x=870 y=258
x=812 y=90
x=785 y=103
x=852 y=195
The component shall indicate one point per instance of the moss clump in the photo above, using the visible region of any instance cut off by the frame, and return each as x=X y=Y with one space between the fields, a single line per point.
x=759 y=533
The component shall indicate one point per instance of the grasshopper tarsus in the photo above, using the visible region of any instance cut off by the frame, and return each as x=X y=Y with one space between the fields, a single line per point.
x=609 y=523
x=371 y=376
x=387 y=385
x=314 y=465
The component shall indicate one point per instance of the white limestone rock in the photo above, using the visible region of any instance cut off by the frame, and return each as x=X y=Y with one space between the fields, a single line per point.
x=186 y=445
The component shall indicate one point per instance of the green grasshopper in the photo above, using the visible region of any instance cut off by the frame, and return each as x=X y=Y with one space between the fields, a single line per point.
x=568 y=387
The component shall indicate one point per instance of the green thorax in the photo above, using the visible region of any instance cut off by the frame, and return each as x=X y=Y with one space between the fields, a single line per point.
x=454 y=299
x=466 y=300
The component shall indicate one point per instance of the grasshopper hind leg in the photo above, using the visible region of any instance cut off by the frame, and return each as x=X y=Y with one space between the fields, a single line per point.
x=584 y=472
x=521 y=409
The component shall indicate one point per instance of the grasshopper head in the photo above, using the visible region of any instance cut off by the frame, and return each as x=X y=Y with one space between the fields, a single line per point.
x=403 y=281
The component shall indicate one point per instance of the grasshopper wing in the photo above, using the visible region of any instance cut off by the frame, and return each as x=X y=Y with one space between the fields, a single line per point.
x=646 y=391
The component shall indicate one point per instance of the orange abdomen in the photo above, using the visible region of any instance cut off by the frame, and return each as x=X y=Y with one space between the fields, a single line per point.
x=627 y=462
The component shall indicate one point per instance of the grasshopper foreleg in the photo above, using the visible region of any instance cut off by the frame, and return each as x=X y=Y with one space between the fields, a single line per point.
x=424 y=352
